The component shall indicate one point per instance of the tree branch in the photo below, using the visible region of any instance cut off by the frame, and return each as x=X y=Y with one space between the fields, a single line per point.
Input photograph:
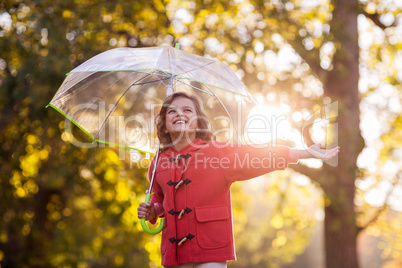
x=375 y=18
x=312 y=57
x=382 y=209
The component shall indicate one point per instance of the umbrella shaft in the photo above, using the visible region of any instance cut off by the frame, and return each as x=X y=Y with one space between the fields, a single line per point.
x=154 y=170
x=170 y=86
x=168 y=92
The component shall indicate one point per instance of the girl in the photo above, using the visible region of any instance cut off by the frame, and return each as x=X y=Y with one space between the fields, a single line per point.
x=192 y=183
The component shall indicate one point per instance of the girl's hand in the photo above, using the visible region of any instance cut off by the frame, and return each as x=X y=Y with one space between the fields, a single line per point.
x=146 y=211
x=324 y=154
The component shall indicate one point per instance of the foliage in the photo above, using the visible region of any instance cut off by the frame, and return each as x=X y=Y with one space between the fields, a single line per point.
x=278 y=226
x=79 y=204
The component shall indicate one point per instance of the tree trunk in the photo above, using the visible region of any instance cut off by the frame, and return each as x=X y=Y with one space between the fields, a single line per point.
x=340 y=228
x=342 y=86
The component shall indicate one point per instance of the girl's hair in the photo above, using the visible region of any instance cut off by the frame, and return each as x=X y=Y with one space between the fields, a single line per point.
x=203 y=123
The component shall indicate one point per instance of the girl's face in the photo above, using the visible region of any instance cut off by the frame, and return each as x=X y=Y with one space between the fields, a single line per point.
x=181 y=116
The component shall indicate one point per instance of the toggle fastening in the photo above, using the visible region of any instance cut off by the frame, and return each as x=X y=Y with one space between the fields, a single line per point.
x=181 y=212
x=186 y=181
x=181 y=240
x=179 y=157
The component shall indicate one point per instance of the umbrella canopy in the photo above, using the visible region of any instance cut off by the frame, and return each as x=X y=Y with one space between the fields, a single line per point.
x=114 y=96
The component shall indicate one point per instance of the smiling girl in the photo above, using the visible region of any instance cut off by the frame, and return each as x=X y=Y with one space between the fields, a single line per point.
x=192 y=183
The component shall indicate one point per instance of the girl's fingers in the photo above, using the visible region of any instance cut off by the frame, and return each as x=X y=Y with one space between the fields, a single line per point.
x=144 y=210
x=142 y=214
x=324 y=154
x=146 y=206
x=331 y=153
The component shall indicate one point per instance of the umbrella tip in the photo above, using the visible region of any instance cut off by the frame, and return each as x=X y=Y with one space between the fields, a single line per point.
x=177 y=46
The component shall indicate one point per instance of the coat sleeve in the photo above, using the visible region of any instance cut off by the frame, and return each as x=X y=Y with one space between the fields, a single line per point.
x=243 y=162
x=157 y=194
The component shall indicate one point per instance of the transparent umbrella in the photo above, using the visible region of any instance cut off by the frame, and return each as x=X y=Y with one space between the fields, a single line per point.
x=114 y=96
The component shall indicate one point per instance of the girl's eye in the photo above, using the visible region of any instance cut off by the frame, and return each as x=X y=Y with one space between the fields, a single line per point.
x=170 y=111
x=188 y=110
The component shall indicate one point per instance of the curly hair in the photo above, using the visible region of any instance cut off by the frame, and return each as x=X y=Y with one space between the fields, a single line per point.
x=203 y=130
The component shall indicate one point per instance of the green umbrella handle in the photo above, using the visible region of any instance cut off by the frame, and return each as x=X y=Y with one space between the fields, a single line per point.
x=144 y=225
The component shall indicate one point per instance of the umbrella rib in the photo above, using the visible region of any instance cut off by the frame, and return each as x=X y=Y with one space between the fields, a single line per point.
x=115 y=105
x=199 y=67
x=96 y=100
x=224 y=107
x=168 y=76
x=61 y=95
x=195 y=87
x=143 y=83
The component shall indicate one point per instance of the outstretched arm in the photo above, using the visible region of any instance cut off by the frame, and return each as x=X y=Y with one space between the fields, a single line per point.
x=315 y=151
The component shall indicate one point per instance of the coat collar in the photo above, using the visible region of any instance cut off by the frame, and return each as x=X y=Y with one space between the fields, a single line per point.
x=197 y=144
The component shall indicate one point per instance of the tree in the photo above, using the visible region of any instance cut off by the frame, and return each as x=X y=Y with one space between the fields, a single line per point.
x=340 y=83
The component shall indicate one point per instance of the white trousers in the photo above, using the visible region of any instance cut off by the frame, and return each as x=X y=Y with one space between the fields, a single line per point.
x=200 y=265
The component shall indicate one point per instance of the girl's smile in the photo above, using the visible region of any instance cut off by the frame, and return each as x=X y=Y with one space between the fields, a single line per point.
x=181 y=116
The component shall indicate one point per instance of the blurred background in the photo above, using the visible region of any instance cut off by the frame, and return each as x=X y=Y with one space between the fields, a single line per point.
x=333 y=68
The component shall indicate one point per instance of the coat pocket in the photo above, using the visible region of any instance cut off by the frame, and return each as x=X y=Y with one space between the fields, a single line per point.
x=212 y=226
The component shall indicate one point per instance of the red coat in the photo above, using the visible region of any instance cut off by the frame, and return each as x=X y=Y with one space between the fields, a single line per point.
x=206 y=171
